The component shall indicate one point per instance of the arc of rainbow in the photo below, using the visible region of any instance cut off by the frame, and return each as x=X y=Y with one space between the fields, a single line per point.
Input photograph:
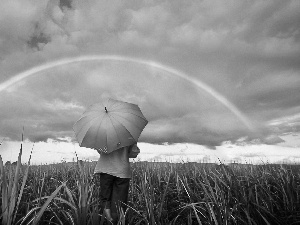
x=198 y=83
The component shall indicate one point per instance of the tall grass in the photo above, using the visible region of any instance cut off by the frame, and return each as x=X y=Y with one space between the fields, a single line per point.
x=11 y=193
x=160 y=193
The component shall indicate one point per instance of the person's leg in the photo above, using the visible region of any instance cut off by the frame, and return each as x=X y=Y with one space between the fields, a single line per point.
x=106 y=188
x=119 y=196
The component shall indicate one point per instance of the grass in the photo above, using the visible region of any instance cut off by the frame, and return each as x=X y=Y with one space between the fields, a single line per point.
x=160 y=193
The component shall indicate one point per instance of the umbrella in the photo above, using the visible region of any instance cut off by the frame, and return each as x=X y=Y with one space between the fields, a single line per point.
x=109 y=126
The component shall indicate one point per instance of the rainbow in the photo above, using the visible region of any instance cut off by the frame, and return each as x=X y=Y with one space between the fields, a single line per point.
x=196 y=82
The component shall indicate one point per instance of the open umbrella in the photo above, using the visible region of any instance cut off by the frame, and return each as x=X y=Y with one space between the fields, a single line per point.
x=109 y=126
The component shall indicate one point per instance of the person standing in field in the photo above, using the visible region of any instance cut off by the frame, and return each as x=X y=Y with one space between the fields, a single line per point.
x=113 y=171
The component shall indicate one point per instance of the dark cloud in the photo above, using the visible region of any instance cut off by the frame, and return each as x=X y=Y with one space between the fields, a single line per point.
x=288 y=126
x=66 y=3
x=43 y=137
x=38 y=39
x=272 y=140
x=286 y=22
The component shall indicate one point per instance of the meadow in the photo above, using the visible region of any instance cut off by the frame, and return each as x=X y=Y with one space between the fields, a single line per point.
x=160 y=193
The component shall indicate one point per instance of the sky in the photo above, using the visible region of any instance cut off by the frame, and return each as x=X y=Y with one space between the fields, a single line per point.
x=217 y=80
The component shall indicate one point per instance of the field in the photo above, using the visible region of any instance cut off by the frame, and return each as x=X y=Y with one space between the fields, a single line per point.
x=160 y=193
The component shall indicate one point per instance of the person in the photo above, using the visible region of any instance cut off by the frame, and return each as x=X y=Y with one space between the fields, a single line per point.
x=114 y=173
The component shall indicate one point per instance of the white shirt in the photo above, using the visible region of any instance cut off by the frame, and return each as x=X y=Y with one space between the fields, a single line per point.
x=115 y=163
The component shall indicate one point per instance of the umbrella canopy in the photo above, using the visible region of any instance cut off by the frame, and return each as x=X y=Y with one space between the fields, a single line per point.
x=109 y=126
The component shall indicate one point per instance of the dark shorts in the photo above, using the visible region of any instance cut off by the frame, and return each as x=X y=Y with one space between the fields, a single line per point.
x=113 y=191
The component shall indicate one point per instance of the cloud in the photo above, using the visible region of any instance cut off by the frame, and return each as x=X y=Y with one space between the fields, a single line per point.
x=271 y=140
x=44 y=137
x=247 y=51
x=17 y=23
x=66 y=4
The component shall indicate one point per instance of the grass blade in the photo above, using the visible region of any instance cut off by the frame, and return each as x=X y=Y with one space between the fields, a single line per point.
x=44 y=207
x=23 y=186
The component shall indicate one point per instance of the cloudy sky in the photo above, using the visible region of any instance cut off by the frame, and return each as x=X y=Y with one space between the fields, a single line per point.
x=214 y=78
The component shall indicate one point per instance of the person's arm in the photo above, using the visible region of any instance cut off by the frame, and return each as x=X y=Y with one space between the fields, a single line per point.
x=133 y=151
